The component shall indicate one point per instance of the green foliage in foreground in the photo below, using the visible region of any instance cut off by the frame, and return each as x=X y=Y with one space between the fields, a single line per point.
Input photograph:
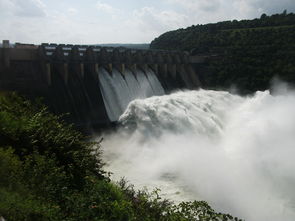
x=49 y=171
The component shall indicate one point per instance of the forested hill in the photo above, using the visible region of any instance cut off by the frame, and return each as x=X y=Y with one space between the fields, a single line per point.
x=251 y=52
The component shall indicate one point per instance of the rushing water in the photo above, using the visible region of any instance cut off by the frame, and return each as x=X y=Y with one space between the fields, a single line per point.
x=119 y=89
x=237 y=153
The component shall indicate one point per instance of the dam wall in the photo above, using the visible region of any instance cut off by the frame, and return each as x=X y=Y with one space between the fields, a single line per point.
x=89 y=81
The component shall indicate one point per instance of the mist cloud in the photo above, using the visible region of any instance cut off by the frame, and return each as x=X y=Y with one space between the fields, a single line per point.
x=234 y=152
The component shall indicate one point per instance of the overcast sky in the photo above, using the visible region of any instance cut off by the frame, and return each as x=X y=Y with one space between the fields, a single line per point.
x=119 y=21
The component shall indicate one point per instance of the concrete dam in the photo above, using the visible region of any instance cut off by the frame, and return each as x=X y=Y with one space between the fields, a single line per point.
x=93 y=84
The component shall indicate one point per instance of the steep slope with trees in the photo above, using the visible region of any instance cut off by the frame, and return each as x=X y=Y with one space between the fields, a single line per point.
x=251 y=52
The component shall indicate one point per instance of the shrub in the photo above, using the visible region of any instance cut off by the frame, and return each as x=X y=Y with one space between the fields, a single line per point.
x=49 y=171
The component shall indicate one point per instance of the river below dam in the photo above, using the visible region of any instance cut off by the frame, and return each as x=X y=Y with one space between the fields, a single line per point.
x=236 y=153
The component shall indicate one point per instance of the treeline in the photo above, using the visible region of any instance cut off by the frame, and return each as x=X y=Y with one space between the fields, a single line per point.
x=49 y=171
x=250 y=52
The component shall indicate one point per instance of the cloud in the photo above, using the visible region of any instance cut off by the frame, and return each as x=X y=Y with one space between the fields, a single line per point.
x=254 y=8
x=28 y=8
x=149 y=22
x=72 y=11
x=153 y=22
x=6 y=7
x=271 y=6
x=206 y=11
x=106 y=8
x=22 y=20
x=21 y=8
x=67 y=22
x=203 y=5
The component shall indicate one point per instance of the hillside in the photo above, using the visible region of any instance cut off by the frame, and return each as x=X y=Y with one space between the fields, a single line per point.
x=251 y=52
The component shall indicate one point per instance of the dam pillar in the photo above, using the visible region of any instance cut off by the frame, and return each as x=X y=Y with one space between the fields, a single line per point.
x=95 y=71
x=91 y=64
x=168 y=65
x=174 y=72
x=48 y=73
x=65 y=73
x=5 y=44
x=82 y=70
x=105 y=56
x=144 y=67
x=149 y=61
x=118 y=60
x=61 y=61
x=6 y=54
x=164 y=70
x=126 y=59
x=193 y=76
x=155 y=68
x=184 y=76
x=179 y=68
x=45 y=64
x=138 y=59
x=133 y=68
x=109 y=68
x=175 y=65
x=76 y=61
x=96 y=68
x=122 y=68
x=161 y=63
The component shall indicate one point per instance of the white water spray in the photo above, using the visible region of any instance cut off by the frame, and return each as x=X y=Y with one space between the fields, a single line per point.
x=235 y=153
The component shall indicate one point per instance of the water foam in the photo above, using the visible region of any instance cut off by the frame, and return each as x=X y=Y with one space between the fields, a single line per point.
x=234 y=152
